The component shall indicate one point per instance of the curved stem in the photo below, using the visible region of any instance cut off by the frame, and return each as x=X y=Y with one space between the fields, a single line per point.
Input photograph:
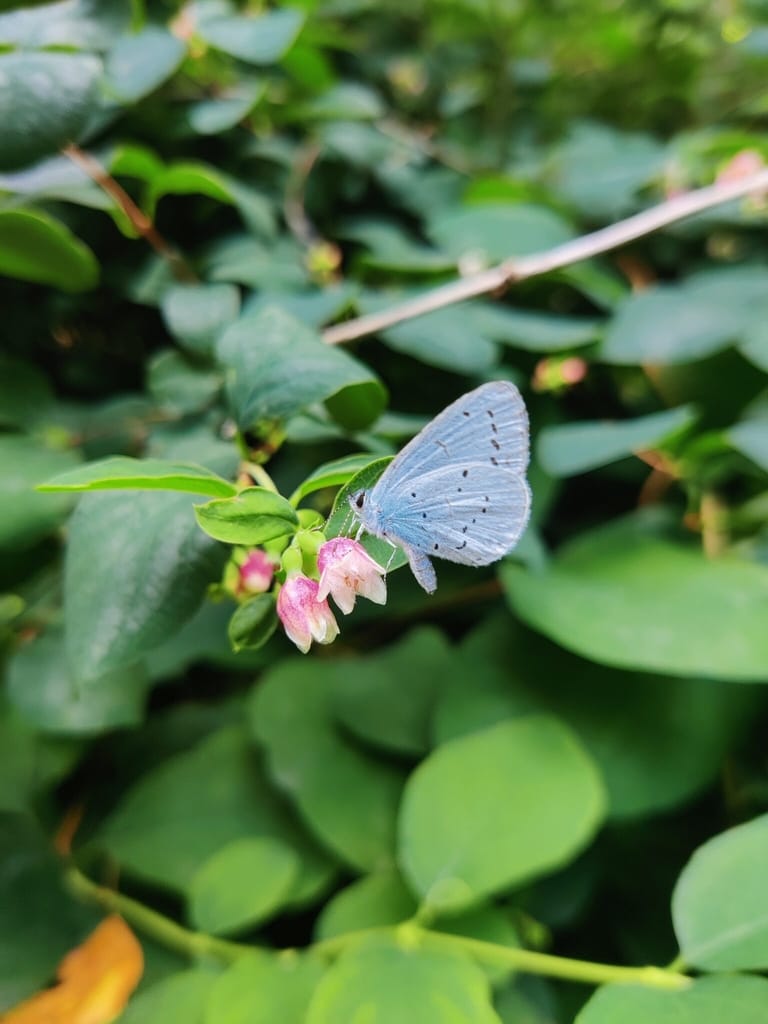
x=197 y=945
x=521 y=268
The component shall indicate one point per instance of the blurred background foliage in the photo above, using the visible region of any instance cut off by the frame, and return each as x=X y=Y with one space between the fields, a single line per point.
x=189 y=193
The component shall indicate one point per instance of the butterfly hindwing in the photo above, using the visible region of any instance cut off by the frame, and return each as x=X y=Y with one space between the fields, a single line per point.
x=471 y=514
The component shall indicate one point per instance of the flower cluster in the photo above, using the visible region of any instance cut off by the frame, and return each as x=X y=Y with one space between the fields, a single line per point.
x=346 y=570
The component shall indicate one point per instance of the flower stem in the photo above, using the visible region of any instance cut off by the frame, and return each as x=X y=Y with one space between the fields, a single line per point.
x=411 y=934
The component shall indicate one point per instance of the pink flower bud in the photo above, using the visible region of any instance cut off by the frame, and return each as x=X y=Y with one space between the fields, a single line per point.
x=304 y=615
x=346 y=570
x=256 y=572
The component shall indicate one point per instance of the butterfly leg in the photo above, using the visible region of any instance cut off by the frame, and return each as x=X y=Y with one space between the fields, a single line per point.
x=422 y=569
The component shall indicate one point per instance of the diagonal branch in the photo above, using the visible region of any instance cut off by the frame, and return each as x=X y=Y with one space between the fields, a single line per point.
x=520 y=268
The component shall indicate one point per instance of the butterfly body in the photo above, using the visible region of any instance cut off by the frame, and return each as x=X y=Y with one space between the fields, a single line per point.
x=457 y=491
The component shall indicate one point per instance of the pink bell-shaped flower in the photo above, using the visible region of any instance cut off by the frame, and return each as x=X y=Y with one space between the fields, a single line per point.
x=256 y=572
x=346 y=570
x=304 y=615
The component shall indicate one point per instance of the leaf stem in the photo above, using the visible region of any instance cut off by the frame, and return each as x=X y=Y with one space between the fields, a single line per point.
x=198 y=945
x=577 y=249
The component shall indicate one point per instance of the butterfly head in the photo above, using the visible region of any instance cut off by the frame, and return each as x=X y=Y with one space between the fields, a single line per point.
x=357 y=502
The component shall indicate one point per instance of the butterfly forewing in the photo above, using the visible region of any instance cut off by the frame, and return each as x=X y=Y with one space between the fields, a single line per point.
x=489 y=424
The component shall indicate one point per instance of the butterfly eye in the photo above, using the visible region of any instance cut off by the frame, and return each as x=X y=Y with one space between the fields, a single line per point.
x=360 y=499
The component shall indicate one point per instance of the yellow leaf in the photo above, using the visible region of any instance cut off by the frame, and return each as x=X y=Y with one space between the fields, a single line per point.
x=95 y=980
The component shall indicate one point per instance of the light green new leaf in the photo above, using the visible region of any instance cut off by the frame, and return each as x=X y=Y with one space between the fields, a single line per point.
x=276 y=366
x=720 y=902
x=244 y=883
x=390 y=985
x=634 y=595
x=541 y=802
x=35 y=247
x=373 y=901
x=154 y=566
x=570 y=448
x=737 y=1000
x=180 y=997
x=123 y=473
x=332 y=474
x=46 y=101
x=253 y=516
x=260 y=40
x=264 y=989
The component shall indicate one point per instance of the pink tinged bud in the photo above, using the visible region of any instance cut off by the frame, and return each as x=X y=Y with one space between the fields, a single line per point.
x=304 y=615
x=346 y=570
x=256 y=572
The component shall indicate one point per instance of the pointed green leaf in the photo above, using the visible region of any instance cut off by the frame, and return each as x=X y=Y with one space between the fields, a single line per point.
x=253 y=516
x=124 y=473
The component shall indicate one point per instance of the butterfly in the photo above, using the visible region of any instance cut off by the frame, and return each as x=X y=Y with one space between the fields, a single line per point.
x=458 y=490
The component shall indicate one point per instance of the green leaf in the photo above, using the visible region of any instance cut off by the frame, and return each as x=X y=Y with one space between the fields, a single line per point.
x=253 y=516
x=657 y=740
x=708 y=1001
x=491 y=232
x=534 y=331
x=39 y=922
x=260 y=40
x=391 y=985
x=541 y=802
x=264 y=990
x=180 y=997
x=184 y=811
x=35 y=247
x=51 y=698
x=720 y=902
x=30 y=764
x=139 y=63
x=679 y=323
x=447 y=338
x=397 y=718
x=25 y=516
x=276 y=366
x=26 y=396
x=154 y=566
x=196 y=314
x=122 y=472
x=291 y=715
x=196 y=178
x=374 y=901
x=332 y=474
x=253 y=623
x=210 y=117
x=571 y=448
x=179 y=385
x=750 y=437
x=633 y=595
x=46 y=101
x=244 y=883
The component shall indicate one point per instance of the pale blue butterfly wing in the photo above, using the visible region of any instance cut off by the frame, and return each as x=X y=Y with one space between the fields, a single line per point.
x=457 y=491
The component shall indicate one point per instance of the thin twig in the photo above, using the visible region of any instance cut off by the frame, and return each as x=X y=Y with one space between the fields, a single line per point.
x=521 y=268
x=143 y=224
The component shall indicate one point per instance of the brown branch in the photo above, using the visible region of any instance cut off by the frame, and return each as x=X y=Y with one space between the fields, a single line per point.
x=143 y=224
x=520 y=268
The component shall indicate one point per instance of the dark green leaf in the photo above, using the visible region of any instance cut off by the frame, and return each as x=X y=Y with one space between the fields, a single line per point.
x=291 y=715
x=177 y=384
x=196 y=314
x=276 y=367
x=209 y=117
x=45 y=103
x=121 y=472
x=139 y=63
x=253 y=623
x=26 y=516
x=332 y=474
x=154 y=566
x=491 y=232
x=263 y=39
x=570 y=448
x=35 y=247
x=253 y=516
x=632 y=594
